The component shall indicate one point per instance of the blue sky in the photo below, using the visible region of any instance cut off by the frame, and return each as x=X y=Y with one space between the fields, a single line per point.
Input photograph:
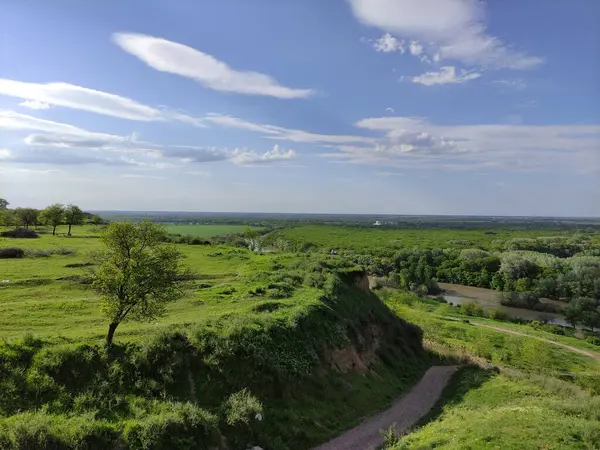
x=349 y=106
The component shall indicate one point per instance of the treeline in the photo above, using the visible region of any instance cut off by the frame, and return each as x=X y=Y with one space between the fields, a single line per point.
x=53 y=215
x=564 y=268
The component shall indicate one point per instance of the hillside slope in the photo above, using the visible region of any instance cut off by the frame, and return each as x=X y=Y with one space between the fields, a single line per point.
x=295 y=370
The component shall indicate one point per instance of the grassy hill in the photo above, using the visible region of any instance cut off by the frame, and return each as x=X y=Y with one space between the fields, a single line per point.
x=484 y=409
x=275 y=350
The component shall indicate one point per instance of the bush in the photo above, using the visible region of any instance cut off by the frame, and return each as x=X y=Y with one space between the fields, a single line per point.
x=472 y=309
x=501 y=316
x=595 y=340
x=173 y=426
x=20 y=233
x=242 y=408
x=11 y=253
x=56 y=432
x=49 y=252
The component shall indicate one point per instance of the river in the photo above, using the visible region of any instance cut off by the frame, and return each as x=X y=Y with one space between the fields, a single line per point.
x=457 y=294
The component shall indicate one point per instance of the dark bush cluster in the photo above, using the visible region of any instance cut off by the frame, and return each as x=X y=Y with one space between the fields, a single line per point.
x=20 y=233
x=11 y=253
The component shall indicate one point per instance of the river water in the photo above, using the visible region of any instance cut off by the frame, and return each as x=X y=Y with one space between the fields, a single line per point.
x=488 y=299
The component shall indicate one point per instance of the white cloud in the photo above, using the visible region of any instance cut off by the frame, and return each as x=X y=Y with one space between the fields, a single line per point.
x=198 y=173
x=34 y=104
x=16 y=121
x=390 y=110
x=412 y=142
x=415 y=48
x=446 y=75
x=85 y=99
x=271 y=156
x=388 y=43
x=179 y=59
x=515 y=83
x=284 y=134
x=453 y=30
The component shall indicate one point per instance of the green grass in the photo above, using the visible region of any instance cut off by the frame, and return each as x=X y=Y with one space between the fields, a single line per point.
x=205 y=231
x=376 y=240
x=234 y=335
x=505 y=350
x=481 y=410
x=64 y=309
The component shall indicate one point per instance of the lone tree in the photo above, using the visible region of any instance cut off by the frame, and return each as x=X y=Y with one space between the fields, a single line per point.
x=54 y=215
x=73 y=216
x=27 y=216
x=138 y=275
x=3 y=204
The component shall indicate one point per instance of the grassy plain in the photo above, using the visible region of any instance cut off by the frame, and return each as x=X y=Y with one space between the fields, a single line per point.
x=386 y=240
x=205 y=231
x=544 y=397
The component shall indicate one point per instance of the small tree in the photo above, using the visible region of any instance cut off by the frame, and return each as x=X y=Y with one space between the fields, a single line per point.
x=73 y=216
x=4 y=204
x=26 y=216
x=54 y=215
x=573 y=313
x=138 y=274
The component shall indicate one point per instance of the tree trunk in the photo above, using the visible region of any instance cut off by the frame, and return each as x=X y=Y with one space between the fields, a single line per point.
x=111 y=332
x=69 y=233
x=54 y=230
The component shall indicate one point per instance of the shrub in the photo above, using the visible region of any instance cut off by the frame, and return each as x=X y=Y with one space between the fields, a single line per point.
x=242 y=408
x=595 y=340
x=46 y=431
x=494 y=314
x=21 y=233
x=173 y=426
x=11 y=253
x=472 y=309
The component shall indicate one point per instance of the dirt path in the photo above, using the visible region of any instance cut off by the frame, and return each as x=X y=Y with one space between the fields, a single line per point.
x=591 y=354
x=405 y=412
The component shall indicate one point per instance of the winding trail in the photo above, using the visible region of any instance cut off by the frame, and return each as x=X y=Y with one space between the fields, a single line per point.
x=405 y=412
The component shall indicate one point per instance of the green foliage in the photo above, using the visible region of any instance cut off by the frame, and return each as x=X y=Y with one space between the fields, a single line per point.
x=73 y=215
x=26 y=216
x=173 y=425
x=472 y=309
x=482 y=409
x=138 y=274
x=390 y=436
x=242 y=408
x=53 y=215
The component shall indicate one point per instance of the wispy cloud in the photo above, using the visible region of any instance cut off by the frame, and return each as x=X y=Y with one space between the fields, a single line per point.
x=284 y=134
x=446 y=75
x=388 y=43
x=34 y=104
x=198 y=173
x=179 y=59
x=41 y=96
x=275 y=155
x=452 y=29
x=514 y=83
x=61 y=158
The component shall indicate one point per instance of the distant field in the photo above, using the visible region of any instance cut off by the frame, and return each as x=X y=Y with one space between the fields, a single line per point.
x=376 y=239
x=205 y=231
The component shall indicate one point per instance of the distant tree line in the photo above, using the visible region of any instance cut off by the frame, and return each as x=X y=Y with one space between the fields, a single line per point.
x=525 y=270
x=53 y=216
